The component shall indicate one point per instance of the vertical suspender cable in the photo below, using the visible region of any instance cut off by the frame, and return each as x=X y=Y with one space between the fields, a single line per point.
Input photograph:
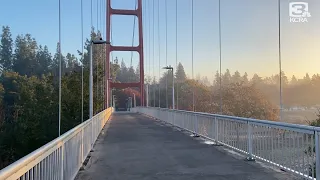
x=146 y=48
x=159 y=49
x=149 y=54
x=193 y=105
x=91 y=33
x=105 y=56
x=112 y=62
x=60 y=59
x=100 y=61
x=82 y=60
x=97 y=15
x=220 y=78
x=145 y=39
x=154 y=78
x=177 y=101
x=91 y=17
x=100 y=16
x=166 y=12
x=98 y=56
x=280 y=68
x=147 y=51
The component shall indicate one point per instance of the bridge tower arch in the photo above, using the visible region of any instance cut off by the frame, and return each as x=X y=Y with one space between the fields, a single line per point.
x=109 y=85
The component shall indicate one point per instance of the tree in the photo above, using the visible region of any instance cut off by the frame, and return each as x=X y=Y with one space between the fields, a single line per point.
x=44 y=61
x=56 y=62
x=247 y=101
x=25 y=62
x=226 y=78
x=71 y=61
x=316 y=122
x=245 y=78
x=198 y=77
x=180 y=74
x=205 y=81
x=256 y=79
x=6 y=49
x=284 y=79
x=217 y=78
x=131 y=75
x=236 y=78
x=294 y=80
x=306 y=78
x=24 y=130
x=122 y=74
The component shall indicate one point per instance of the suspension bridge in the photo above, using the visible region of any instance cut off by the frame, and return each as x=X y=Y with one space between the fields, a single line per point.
x=154 y=138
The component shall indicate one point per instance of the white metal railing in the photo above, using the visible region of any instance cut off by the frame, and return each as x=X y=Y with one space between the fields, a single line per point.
x=61 y=158
x=293 y=148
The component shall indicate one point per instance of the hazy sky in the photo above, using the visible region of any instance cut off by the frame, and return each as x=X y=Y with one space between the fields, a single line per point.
x=249 y=33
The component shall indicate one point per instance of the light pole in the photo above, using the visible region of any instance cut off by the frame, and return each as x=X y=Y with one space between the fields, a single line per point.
x=147 y=92
x=171 y=68
x=113 y=101
x=99 y=41
x=134 y=100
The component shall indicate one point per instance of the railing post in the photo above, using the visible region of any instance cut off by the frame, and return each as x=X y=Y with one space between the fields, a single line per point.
x=250 y=157
x=91 y=133
x=174 y=117
x=215 y=128
x=82 y=153
x=196 y=125
x=62 y=162
x=317 y=147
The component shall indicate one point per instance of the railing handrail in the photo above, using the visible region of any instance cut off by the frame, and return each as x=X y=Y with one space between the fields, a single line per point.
x=258 y=121
x=58 y=142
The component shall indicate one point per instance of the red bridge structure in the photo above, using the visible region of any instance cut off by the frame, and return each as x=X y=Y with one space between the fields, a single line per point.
x=109 y=84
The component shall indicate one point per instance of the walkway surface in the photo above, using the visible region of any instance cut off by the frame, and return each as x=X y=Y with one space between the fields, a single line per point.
x=135 y=147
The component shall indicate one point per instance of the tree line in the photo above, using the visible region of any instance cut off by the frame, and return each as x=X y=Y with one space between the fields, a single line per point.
x=29 y=92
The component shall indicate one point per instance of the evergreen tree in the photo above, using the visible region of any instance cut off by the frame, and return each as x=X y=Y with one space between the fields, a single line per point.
x=6 y=49
x=180 y=74
x=236 y=78
x=56 y=63
x=306 y=78
x=44 y=61
x=256 y=79
x=245 y=78
x=226 y=77
x=294 y=80
x=217 y=78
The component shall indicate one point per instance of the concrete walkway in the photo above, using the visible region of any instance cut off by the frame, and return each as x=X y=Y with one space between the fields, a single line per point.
x=134 y=147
